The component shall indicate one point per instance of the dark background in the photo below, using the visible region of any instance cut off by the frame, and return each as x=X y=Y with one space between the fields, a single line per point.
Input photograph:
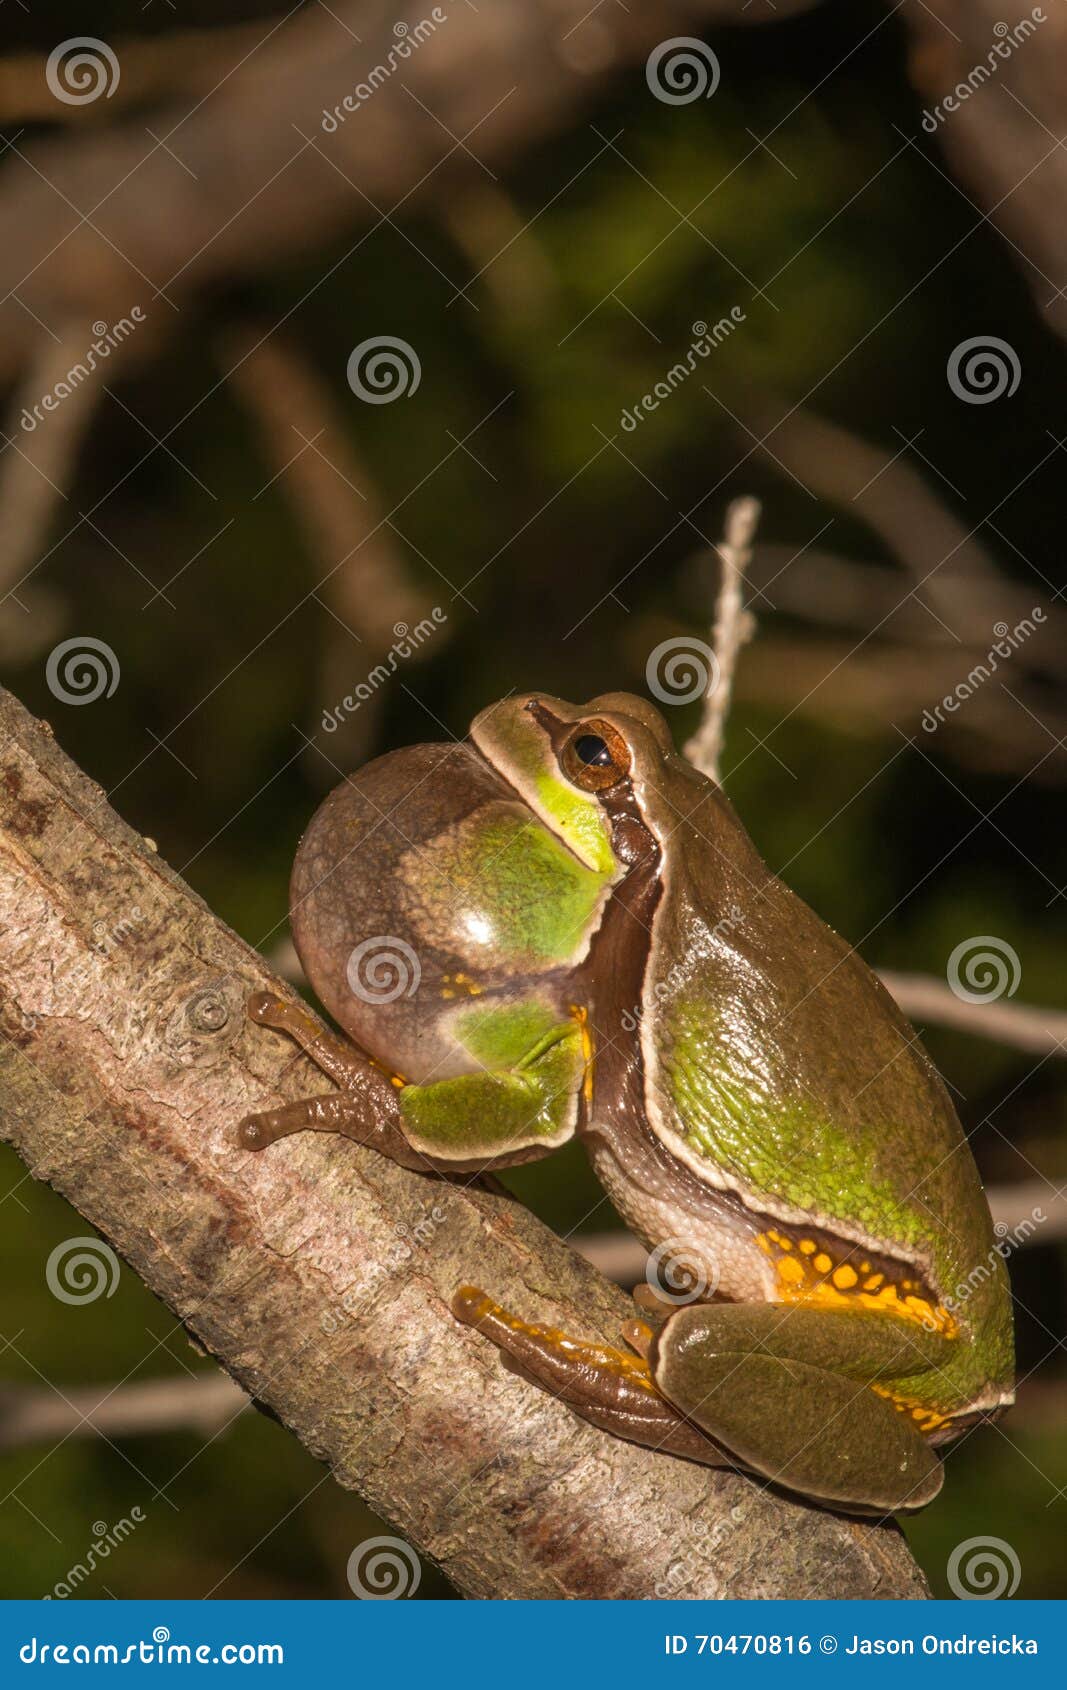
x=561 y=565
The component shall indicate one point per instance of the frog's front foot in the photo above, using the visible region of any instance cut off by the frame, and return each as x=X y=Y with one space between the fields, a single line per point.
x=610 y=1387
x=365 y=1108
x=334 y=1113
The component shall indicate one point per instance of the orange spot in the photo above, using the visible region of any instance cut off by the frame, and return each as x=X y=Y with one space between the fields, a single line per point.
x=927 y=1419
x=790 y=1270
x=845 y=1278
x=808 y=1246
x=823 y=1263
x=873 y=1283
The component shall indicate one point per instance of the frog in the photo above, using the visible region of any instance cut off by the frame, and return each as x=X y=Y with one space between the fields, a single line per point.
x=558 y=928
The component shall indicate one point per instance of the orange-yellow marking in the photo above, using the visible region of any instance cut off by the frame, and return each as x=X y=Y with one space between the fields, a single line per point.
x=397 y=1080
x=926 y=1419
x=813 y=1278
x=581 y=1016
x=474 y=1307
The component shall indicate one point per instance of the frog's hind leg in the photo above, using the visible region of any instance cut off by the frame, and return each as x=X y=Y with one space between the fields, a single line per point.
x=609 y=1387
x=817 y=1400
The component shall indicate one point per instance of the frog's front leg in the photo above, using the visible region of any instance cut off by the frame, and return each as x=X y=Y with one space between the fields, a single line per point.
x=365 y=1108
x=790 y=1393
x=496 y=1116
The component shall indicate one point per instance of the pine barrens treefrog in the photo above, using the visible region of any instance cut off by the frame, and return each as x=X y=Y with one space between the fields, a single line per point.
x=588 y=943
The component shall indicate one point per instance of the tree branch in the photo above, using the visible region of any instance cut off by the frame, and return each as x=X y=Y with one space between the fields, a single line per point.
x=319 y=1274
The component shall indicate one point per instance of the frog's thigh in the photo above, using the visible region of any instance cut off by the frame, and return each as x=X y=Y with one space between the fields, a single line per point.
x=787 y=1391
x=530 y=1105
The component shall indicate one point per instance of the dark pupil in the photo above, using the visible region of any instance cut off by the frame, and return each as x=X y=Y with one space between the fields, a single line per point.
x=590 y=748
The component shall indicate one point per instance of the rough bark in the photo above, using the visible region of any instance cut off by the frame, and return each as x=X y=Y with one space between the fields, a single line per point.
x=319 y=1274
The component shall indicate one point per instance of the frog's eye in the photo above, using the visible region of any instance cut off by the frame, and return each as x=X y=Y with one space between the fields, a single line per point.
x=595 y=756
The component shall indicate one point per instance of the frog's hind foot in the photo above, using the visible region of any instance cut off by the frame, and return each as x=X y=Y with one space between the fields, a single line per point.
x=609 y=1387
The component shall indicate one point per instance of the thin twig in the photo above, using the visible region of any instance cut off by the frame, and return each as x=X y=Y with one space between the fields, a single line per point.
x=883 y=485
x=733 y=628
